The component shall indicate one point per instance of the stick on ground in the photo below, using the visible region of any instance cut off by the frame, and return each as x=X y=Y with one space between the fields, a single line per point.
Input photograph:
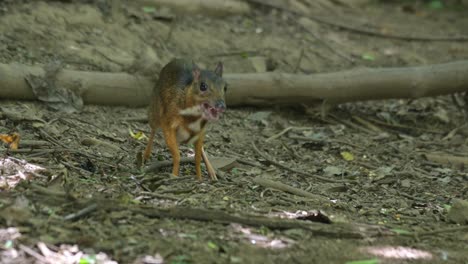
x=289 y=189
x=263 y=155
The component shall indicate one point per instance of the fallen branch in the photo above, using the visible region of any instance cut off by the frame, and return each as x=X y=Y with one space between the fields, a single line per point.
x=286 y=130
x=286 y=167
x=447 y=159
x=258 y=88
x=289 y=189
x=95 y=87
x=337 y=230
x=157 y=165
x=81 y=213
x=348 y=86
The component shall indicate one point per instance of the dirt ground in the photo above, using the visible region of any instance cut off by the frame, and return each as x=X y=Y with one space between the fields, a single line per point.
x=370 y=159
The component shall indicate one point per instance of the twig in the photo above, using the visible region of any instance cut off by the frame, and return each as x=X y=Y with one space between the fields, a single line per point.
x=171 y=29
x=167 y=163
x=335 y=230
x=442 y=230
x=326 y=141
x=409 y=196
x=405 y=127
x=108 y=58
x=298 y=64
x=250 y=163
x=33 y=143
x=291 y=150
x=81 y=213
x=286 y=130
x=58 y=143
x=453 y=132
x=293 y=170
x=352 y=125
x=209 y=167
x=287 y=188
x=366 y=165
x=48 y=192
x=178 y=191
x=338 y=230
x=80 y=170
x=33 y=253
x=457 y=103
x=367 y=124
x=448 y=159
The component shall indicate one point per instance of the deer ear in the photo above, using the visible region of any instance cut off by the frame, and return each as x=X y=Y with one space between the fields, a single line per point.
x=196 y=74
x=219 y=69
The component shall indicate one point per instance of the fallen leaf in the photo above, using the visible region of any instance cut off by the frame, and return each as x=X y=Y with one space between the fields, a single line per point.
x=212 y=245
x=383 y=171
x=348 y=156
x=436 y=4
x=443 y=115
x=259 y=116
x=259 y=63
x=11 y=139
x=149 y=9
x=368 y=57
x=332 y=171
x=223 y=163
x=458 y=212
x=138 y=135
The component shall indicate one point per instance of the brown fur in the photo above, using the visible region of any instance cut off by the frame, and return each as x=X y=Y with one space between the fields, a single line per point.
x=178 y=88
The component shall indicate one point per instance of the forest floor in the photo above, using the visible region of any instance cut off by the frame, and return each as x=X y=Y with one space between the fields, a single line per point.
x=375 y=170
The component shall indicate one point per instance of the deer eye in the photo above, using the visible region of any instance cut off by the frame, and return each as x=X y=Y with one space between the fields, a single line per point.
x=203 y=87
x=225 y=88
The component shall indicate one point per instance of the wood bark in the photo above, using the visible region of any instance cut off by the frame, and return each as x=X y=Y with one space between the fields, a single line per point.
x=349 y=86
x=257 y=89
x=98 y=88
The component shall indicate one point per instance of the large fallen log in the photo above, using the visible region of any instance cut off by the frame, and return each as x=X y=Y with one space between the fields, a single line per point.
x=95 y=87
x=349 y=86
x=256 y=88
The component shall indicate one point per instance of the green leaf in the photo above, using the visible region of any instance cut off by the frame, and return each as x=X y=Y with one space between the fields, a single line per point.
x=348 y=156
x=368 y=261
x=180 y=259
x=368 y=57
x=87 y=260
x=8 y=244
x=149 y=9
x=212 y=245
x=191 y=236
x=436 y=4
x=264 y=230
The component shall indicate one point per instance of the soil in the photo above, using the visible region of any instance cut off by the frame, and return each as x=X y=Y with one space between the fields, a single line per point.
x=368 y=159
